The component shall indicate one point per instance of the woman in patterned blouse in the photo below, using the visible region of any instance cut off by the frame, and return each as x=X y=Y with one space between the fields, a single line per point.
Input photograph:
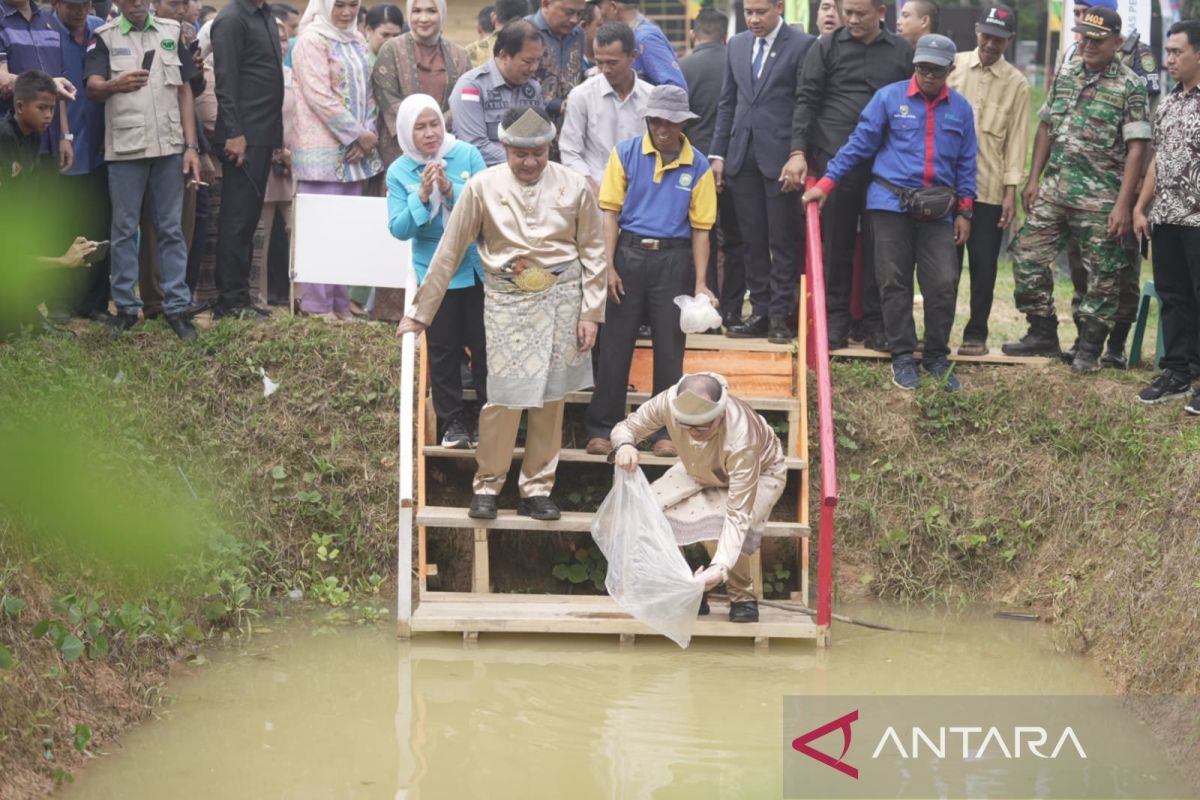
x=418 y=62
x=336 y=148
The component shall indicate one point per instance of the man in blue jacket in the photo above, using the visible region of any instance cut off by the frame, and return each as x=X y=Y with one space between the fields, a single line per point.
x=922 y=135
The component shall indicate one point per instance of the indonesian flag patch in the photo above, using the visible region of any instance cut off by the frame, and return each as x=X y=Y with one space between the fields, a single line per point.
x=470 y=94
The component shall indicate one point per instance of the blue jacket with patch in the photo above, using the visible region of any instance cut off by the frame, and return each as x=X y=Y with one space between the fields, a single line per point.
x=915 y=142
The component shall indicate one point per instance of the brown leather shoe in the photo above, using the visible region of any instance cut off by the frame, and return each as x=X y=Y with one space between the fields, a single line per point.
x=599 y=447
x=973 y=348
x=665 y=448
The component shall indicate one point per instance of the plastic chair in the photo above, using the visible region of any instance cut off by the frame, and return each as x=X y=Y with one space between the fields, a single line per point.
x=1139 y=328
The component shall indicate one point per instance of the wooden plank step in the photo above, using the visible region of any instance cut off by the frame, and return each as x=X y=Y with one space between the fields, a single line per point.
x=704 y=341
x=990 y=358
x=571 y=521
x=637 y=398
x=578 y=455
x=501 y=613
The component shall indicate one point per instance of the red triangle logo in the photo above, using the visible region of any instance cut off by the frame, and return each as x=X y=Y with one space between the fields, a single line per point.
x=801 y=744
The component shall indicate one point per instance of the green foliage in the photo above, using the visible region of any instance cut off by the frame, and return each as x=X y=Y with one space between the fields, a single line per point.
x=6 y=659
x=580 y=566
x=330 y=590
x=81 y=736
x=777 y=580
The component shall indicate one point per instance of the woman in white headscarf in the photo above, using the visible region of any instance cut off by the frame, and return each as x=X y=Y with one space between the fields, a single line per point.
x=336 y=148
x=422 y=186
x=418 y=62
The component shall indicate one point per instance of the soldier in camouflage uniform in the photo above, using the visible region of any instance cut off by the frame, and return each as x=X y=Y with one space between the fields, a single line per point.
x=1139 y=58
x=1090 y=143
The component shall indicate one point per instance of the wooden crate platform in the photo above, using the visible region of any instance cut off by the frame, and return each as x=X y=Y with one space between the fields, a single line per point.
x=637 y=398
x=474 y=613
x=572 y=521
x=577 y=455
x=705 y=341
x=990 y=358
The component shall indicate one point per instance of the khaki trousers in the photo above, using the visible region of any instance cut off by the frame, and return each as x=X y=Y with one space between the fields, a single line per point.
x=497 y=438
x=738 y=582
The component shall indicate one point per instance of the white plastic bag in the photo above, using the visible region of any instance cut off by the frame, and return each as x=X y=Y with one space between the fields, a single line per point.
x=647 y=575
x=696 y=314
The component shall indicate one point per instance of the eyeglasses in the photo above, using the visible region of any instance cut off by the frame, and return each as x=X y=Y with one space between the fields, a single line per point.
x=932 y=71
x=1078 y=11
x=701 y=428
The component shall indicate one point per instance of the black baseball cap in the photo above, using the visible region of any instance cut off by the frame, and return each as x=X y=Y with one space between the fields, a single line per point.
x=998 y=20
x=1099 y=23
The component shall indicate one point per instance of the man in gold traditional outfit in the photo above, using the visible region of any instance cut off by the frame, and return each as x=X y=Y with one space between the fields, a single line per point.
x=730 y=474
x=540 y=239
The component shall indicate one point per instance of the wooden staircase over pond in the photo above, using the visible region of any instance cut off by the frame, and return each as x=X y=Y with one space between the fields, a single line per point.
x=771 y=377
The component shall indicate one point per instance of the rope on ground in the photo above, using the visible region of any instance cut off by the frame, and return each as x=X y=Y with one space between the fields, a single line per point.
x=796 y=608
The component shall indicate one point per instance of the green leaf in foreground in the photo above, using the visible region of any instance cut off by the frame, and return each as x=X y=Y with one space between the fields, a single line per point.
x=6 y=659
x=71 y=647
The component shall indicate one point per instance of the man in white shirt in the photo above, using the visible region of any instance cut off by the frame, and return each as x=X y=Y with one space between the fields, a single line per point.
x=606 y=108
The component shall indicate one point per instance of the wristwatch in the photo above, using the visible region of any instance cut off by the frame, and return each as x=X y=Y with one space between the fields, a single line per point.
x=195 y=147
x=68 y=137
x=966 y=213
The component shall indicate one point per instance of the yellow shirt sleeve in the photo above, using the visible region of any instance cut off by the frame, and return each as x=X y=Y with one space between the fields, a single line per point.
x=612 y=188
x=702 y=212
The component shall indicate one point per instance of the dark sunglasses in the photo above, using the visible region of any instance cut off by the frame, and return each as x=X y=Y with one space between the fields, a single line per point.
x=933 y=71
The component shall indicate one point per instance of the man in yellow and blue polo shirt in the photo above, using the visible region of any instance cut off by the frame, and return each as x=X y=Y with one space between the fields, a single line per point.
x=659 y=202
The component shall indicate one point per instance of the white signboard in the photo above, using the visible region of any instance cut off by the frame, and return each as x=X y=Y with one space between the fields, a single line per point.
x=345 y=240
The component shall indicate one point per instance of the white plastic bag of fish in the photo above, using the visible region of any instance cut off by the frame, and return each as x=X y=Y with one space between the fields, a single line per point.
x=696 y=314
x=647 y=574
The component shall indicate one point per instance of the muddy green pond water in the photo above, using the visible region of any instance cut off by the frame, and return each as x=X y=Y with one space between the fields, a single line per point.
x=312 y=711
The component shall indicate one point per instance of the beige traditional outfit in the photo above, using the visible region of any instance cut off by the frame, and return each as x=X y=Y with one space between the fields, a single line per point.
x=542 y=251
x=722 y=490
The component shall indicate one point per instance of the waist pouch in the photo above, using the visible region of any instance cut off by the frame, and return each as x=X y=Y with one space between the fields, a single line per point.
x=928 y=204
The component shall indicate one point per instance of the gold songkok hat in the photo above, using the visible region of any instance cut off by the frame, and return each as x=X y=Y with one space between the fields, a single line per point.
x=530 y=130
x=690 y=408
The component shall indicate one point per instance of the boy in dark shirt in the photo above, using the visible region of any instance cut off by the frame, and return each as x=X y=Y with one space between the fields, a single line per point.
x=21 y=129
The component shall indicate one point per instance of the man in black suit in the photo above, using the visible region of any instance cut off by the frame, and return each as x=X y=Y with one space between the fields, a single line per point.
x=841 y=74
x=704 y=69
x=249 y=72
x=750 y=147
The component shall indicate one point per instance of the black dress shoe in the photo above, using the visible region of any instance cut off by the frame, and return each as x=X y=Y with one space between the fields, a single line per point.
x=743 y=611
x=704 y=609
x=541 y=507
x=483 y=506
x=44 y=328
x=779 y=332
x=877 y=340
x=197 y=307
x=731 y=318
x=251 y=313
x=753 y=328
x=183 y=327
x=99 y=315
x=119 y=323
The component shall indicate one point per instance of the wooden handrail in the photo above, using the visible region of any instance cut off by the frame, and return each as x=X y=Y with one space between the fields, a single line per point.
x=820 y=338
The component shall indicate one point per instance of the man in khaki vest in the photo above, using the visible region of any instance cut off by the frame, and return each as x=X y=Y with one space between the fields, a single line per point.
x=134 y=66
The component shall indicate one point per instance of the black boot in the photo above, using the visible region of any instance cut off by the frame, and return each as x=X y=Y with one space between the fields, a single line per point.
x=1041 y=340
x=743 y=611
x=1114 y=354
x=1091 y=341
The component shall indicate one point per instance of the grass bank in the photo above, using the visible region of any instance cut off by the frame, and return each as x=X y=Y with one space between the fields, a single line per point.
x=151 y=499
x=1035 y=489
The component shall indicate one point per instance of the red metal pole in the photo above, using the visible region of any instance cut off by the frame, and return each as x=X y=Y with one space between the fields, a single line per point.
x=820 y=338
